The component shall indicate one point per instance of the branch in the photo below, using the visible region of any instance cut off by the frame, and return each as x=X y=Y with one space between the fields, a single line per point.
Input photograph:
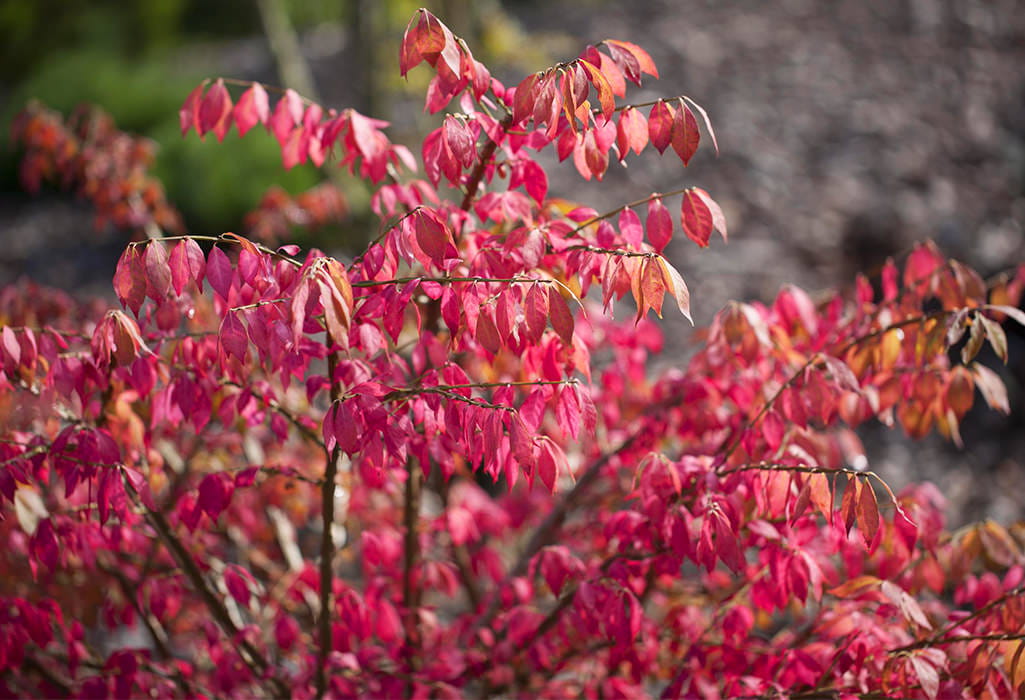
x=941 y=636
x=486 y=153
x=251 y=656
x=410 y=593
x=545 y=532
x=327 y=544
x=635 y=203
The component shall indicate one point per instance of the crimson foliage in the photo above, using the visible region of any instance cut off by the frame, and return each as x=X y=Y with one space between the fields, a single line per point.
x=444 y=470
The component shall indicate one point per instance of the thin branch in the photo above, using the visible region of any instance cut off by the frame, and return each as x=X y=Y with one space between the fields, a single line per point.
x=462 y=557
x=327 y=544
x=450 y=280
x=251 y=656
x=635 y=203
x=546 y=531
x=941 y=636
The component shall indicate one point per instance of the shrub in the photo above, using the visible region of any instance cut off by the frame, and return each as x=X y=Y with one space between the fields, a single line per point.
x=443 y=468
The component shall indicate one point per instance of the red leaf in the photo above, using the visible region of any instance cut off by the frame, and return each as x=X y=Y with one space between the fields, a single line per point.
x=487 y=333
x=130 y=279
x=215 y=111
x=460 y=140
x=630 y=228
x=252 y=108
x=294 y=150
x=567 y=411
x=848 y=506
x=868 y=513
x=521 y=441
x=219 y=272
x=650 y=289
x=215 y=491
x=685 y=134
x=432 y=235
x=187 y=263
x=288 y=112
x=188 y=115
x=708 y=122
x=613 y=73
x=922 y=264
x=631 y=132
x=233 y=337
x=639 y=55
x=551 y=461
x=696 y=218
x=601 y=85
x=158 y=271
x=345 y=427
x=524 y=98
x=660 y=126
x=560 y=315
x=718 y=219
x=659 y=225
x=236 y=583
x=535 y=312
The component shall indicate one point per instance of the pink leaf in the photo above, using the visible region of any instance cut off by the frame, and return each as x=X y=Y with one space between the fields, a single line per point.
x=188 y=115
x=187 y=264
x=551 y=461
x=252 y=108
x=219 y=272
x=630 y=228
x=215 y=111
x=660 y=126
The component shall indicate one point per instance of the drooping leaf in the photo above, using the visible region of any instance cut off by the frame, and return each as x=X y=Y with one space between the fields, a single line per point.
x=685 y=134
x=659 y=225
x=560 y=315
x=660 y=126
x=252 y=108
x=696 y=218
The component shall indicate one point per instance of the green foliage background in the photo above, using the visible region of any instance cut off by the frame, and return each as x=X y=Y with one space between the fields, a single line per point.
x=137 y=59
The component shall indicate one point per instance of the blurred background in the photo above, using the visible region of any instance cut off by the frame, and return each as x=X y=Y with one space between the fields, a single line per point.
x=848 y=130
